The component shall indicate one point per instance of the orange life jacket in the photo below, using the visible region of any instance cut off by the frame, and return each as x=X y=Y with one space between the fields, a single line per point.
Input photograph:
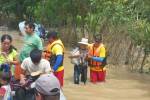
x=48 y=53
x=52 y=57
x=95 y=52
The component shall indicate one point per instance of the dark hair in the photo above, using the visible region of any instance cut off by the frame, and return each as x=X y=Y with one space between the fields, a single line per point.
x=7 y=36
x=52 y=34
x=51 y=97
x=36 y=55
x=98 y=37
x=5 y=76
x=30 y=24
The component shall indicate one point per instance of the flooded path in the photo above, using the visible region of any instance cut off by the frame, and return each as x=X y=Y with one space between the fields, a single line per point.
x=120 y=84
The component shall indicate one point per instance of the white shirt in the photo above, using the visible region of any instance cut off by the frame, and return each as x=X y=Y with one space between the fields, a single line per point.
x=29 y=66
x=75 y=52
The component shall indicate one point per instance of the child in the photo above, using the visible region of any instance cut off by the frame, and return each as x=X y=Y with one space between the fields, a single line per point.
x=78 y=58
x=5 y=89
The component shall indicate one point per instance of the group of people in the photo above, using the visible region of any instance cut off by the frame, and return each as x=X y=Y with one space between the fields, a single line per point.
x=92 y=55
x=48 y=64
x=33 y=60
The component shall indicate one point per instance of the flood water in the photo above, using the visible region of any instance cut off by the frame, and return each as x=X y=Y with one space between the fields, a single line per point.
x=120 y=84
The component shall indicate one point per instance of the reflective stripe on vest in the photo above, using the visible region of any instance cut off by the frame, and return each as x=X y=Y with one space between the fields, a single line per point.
x=95 y=52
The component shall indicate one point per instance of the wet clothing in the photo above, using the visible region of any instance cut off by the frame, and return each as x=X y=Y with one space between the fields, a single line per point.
x=80 y=70
x=60 y=76
x=56 y=56
x=97 y=76
x=31 y=42
x=56 y=50
x=29 y=67
x=98 y=54
x=75 y=52
x=80 y=65
x=97 y=70
x=5 y=67
x=10 y=57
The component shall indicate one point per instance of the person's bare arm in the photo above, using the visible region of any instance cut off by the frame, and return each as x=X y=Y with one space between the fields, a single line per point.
x=75 y=56
x=22 y=77
x=14 y=62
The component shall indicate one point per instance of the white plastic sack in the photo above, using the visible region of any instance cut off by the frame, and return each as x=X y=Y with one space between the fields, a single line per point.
x=22 y=28
x=62 y=97
x=36 y=30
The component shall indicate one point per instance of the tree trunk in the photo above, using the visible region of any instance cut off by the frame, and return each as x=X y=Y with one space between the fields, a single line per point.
x=128 y=55
x=142 y=64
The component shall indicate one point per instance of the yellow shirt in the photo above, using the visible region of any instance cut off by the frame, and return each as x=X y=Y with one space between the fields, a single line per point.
x=102 y=53
x=10 y=57
x=56 y=48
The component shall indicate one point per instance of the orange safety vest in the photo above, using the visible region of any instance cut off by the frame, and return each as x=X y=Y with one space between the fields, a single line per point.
x=95 y=52
x=52 y=57
x=48 y=53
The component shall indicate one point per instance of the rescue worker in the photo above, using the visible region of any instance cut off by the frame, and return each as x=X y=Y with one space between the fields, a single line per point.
x=97 y=60
x=55 y=54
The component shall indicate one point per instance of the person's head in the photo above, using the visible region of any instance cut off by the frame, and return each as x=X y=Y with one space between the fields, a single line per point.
x=83 y=43
x=52 y=36
x=4 y=78
x=6 y=41
x=97 y=40
x=29 y=27
x=36 y=56
x=48 y=86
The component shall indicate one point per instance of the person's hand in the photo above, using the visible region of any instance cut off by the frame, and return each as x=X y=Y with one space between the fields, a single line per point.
x=86 y=58
x=89 y=57
x=22 y=81
x=38 y=96
x=52 y=70
x=8 y=61
x=70 y=57
x=4 y=54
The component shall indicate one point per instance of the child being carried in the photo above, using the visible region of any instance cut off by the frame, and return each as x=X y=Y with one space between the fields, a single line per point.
x=78 y=58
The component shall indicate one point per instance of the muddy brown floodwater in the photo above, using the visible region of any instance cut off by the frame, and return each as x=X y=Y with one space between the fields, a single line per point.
x=120 y=84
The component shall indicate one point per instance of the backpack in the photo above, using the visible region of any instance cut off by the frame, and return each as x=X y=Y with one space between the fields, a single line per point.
x=41 y=30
